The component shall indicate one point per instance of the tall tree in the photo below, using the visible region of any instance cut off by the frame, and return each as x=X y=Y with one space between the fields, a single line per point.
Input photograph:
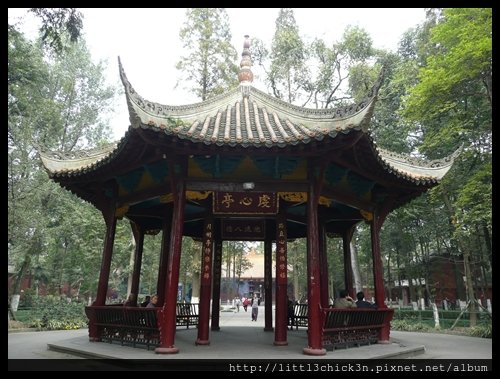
x=209 y=67
x=59 y=25
x=289 y=71
x=452 y=105
x=55 y=103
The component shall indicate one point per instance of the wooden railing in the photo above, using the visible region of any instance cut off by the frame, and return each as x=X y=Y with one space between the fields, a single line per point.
x=134 y=325
x=354 y=326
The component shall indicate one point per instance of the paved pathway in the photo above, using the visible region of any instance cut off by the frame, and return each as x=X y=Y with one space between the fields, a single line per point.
x=240 y=338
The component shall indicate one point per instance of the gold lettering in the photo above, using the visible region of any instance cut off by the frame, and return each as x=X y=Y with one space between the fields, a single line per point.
x=227 y=200
x=264 y=201
x=246 y=201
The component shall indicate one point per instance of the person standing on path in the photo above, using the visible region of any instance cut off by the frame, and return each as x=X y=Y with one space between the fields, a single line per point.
x=255 y=307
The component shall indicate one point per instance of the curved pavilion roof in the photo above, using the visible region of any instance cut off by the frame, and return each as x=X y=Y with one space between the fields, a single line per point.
x=245 y=134
x=247 y=117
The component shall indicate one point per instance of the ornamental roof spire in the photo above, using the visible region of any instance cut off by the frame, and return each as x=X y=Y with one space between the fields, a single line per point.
x=245 y=76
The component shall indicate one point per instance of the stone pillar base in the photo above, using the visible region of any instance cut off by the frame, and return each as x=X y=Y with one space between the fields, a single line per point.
x=202 y=342
x=280 y=343
x=268 y=329
x=167 y=350
x=384 y=342
x=215 y=328
x=311 y=351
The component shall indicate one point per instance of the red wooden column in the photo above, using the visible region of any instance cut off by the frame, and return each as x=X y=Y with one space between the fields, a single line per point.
x=168 y=312
x=102 y=287
x=378 y=273
x=346 y=244
x=206 y=282
x=315 y=346
x=139 y=244
x=281 y=282
x=216 y=285
x=323 y=262
x=163 y=266
x=268 y=287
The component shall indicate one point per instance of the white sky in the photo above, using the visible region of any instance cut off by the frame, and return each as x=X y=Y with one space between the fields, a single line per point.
x=147 y=40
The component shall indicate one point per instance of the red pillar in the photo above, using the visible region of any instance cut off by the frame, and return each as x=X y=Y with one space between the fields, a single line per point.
x=102 y=287
x=206 y=282
x=323 y=262
x=139 y=243
x=216 y=285
x=315 y=346
x=163 y=266
x=378 y=276
x=346 y=241
x=281 y=282
x=168 y=313
x=268 y=287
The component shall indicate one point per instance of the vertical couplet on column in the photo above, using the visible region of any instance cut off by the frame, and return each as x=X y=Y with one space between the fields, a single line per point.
x=206 y=283
x=281 y=282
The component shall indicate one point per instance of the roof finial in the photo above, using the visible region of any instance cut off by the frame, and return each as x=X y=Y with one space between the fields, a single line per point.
x=245 y=75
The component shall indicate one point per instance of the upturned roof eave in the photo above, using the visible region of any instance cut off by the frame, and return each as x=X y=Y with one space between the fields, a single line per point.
x=146 y=112
x=415 y=169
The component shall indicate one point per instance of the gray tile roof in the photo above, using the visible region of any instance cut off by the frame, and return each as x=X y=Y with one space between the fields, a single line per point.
x=247 y=117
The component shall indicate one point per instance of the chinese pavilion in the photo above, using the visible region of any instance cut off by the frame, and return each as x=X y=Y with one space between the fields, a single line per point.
x=244 y=166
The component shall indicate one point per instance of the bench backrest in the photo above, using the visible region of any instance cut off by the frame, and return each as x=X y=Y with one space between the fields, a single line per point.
x=353 y=318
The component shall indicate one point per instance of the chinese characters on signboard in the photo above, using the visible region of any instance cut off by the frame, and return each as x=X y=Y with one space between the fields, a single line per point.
x=281 y=266
x=247 y=230
x=245 y=203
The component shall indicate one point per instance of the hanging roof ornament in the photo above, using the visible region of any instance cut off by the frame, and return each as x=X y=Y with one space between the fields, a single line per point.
x=245 y=75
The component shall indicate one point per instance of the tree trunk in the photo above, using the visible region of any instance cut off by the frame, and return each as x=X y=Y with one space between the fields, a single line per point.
x=131 y=267
x=355 y=267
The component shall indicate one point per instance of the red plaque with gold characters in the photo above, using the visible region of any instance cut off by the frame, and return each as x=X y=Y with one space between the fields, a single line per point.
x=249 y=203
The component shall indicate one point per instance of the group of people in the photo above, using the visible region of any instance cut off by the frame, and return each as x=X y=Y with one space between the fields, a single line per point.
x=345 y=301
x=254 y=303
x=149 y=301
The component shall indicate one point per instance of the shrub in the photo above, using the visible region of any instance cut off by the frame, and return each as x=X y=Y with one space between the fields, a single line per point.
x=409 y=326
x=55 y=313
x=482 y=330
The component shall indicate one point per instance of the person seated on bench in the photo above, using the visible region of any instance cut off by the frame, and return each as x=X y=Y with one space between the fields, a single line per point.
x=344 y=300
x=131 y=301
x=146 y=301
x=362 y=303
x=152 y=303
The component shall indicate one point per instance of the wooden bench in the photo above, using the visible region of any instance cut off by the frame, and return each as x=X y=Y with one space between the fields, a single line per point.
x=187 y=314
x=353 y=327
x=300 y=317
x=135 y=325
